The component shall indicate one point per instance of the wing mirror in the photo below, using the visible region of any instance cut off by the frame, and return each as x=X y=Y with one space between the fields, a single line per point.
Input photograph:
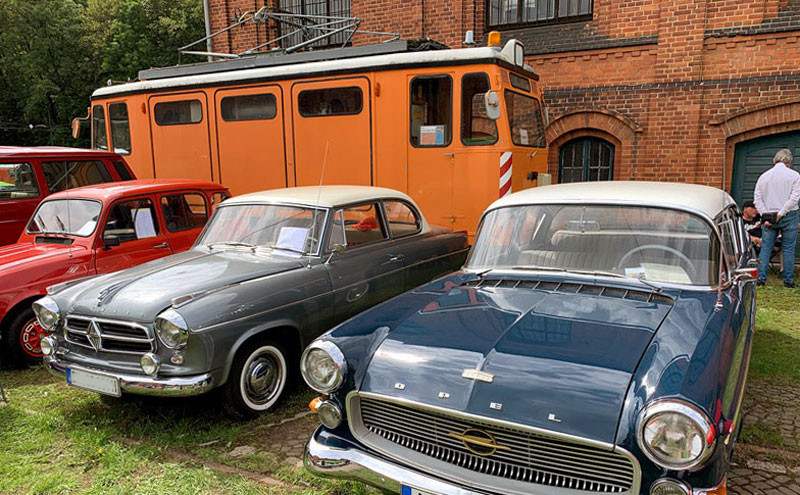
x=492 y=102
x=336 y=249
x=76 y=124
x=110 y=240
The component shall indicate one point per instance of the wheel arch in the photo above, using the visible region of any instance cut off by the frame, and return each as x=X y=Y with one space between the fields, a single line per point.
x=15 y=309
x=286 y=332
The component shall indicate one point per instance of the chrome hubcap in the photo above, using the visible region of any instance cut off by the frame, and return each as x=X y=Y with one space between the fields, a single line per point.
x=263 y=377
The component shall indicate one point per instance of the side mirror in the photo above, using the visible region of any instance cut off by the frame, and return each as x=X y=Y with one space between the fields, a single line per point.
x=76 y=124
x=492 y=102
x=110 y=240
x=336 y=249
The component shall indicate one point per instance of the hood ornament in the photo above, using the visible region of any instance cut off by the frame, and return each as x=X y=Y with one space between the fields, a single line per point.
x=477 y=375
x=478 y=442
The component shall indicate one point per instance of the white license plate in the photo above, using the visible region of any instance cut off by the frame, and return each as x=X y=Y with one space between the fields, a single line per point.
x=407 y=490
x=93 y=381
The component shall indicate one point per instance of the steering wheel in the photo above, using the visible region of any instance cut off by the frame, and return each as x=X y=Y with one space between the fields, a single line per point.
x=671 y=250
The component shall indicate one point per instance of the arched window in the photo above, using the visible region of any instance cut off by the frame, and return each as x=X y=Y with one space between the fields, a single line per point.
x=586 y=159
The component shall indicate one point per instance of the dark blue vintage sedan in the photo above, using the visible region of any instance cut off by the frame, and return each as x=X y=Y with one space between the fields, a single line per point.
x=596 y=341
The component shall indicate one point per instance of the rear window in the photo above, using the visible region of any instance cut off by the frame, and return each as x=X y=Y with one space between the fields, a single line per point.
x=17 y=181
x=184 y=211
x=178 y=112
x=248 y=107
x=65 y=175
x=120 y=128
x=330 y=101
x=122 y=171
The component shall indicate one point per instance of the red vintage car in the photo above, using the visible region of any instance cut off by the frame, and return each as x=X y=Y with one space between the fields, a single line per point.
x=28 y=175
x=89 y=231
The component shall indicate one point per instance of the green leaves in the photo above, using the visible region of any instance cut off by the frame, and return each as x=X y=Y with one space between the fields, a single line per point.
x=54 y=53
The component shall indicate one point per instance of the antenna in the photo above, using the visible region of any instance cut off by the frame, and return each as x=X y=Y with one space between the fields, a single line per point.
x=319 y=193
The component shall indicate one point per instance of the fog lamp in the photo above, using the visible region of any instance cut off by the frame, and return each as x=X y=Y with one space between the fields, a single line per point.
x=48 y=346
x=667 y=486
x=329 y=414
x=150 y=363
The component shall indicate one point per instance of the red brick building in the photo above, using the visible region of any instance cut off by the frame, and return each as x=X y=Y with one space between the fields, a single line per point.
x=700 y=91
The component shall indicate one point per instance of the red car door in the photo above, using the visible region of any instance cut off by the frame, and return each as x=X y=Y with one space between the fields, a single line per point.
x=131 y=235
x=20 y=193
x=185 y=214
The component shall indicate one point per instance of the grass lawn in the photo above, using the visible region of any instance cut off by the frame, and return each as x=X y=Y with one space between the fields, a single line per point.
x=60 y=440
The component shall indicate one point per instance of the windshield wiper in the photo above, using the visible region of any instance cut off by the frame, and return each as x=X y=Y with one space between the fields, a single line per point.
x=291 y=249
x=596 y=273
x=232 y=244
x=43 y=230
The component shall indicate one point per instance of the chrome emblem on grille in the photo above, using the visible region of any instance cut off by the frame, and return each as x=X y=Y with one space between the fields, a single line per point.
x=477 y=375
x=478 y=441
x=93 y=335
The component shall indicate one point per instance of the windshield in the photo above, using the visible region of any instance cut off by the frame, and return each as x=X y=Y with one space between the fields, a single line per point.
x=66 y=216
x=651 y=244
x=285 y=229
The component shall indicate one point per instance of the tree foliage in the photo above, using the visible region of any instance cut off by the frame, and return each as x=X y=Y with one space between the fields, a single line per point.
x=54 y=53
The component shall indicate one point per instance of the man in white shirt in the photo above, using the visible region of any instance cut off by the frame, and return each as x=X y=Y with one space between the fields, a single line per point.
x=776 y=195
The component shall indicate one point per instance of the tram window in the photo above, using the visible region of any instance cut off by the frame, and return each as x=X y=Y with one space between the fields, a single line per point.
x=520 y=82
x=330 y=101
x=179 y=112
x=120 y=128
x=431 y=111
x=248 y=107
x=99 y=128
x=476 y=127
x=525 y=118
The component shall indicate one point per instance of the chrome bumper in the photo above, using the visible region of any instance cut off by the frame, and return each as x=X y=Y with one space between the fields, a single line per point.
x=335 y=457
x=141 y=384
x=347 y=460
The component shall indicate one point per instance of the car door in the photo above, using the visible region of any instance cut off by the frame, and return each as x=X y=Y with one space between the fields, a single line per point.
x=370 y=270
x=131 y=234
x=19 y=195
x=184 y=214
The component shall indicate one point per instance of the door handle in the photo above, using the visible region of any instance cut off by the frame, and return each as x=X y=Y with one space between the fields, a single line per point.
x=396 y=257
x=449 y=154
x=160 y=246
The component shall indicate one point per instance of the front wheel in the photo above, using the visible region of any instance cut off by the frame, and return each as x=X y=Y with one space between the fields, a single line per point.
x=257 y=379
x=22 y=339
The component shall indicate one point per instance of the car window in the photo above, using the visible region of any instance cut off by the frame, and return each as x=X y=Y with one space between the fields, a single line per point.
x=476 y=126
x=131 y=220
x=120 y=128
x=402 y=219
x=730 y=242
x=99 y=128
x=525 y=119
x=122 y=170
x=63 y=175
x=17 y=181
x=431 y=111
x=217 y=198
x=184 y=211
x=66 y=216
x=357 y=225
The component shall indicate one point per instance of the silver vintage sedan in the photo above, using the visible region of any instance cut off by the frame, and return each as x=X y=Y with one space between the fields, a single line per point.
x=271 y=271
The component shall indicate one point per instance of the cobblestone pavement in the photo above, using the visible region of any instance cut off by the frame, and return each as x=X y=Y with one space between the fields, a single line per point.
x=756 y=470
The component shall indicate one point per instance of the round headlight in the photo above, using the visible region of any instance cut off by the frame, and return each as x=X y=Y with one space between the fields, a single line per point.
x=47 y=313
x=323 y=366
x=675 y=434
x=329 y=414
x=48 y=346
x=172 y=329
x=150 y=363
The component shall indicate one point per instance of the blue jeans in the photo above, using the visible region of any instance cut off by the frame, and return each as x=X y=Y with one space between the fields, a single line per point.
x=787 y=227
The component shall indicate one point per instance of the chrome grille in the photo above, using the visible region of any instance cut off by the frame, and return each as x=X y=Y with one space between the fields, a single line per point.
x=114 y=335
x=531 y=458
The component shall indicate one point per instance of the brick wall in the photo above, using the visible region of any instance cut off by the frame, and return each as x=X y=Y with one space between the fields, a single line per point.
x=673 y=84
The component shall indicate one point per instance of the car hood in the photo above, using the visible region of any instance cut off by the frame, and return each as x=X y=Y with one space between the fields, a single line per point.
x=140 y=293
x=560 y=362
x=27 y=253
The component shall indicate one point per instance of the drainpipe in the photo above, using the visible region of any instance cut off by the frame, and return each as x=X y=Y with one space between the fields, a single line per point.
x=207 y=16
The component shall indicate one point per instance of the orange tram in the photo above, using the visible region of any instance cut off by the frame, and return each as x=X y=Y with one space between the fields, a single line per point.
x=455 y=129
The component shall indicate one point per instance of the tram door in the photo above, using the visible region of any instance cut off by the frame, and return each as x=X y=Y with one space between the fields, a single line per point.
x=181 y=144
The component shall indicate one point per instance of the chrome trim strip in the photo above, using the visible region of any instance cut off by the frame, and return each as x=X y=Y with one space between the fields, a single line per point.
x=183 y=386
x=355 y=422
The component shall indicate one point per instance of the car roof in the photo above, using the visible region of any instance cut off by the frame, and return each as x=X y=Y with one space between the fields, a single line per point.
x=111 y=190
x=325 y=196
x=49 y=151
x=709 y=201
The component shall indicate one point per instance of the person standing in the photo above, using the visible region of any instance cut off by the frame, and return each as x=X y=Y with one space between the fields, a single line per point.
x=776 y=196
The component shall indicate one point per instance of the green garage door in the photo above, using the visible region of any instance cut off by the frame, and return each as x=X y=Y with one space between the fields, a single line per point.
x=753 y=157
